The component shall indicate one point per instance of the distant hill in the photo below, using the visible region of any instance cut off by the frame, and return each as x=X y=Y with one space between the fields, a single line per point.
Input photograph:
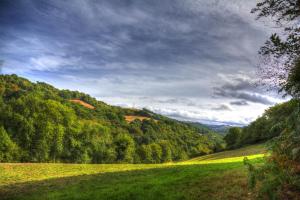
x=201 y=127
x=39 y=123
x=206 y=128
x=221 y=129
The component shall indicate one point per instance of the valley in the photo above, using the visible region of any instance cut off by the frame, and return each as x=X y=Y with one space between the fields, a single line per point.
x=150 y=100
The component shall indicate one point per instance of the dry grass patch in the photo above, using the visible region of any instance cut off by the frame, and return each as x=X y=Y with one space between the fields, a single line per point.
x=131 y=118
x=84 y=104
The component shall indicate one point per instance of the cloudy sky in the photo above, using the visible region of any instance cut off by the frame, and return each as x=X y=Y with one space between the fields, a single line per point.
x=188 y=59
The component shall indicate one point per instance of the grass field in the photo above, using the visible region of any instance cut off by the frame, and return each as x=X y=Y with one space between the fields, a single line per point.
x=216 y=176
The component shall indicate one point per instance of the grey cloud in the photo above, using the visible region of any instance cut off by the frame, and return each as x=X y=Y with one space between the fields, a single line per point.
x=174 y=101
x=239 y=103
x=256 y=98
x=241 y=88
x=222 y=107
x=239 y=83
x=252 y=97
x=153 y=34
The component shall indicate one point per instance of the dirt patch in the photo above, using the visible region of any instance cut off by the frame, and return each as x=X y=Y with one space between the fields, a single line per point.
x=84 y=104
x=130 y=118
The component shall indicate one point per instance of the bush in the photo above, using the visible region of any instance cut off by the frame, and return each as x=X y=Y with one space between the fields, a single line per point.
x=279 y=178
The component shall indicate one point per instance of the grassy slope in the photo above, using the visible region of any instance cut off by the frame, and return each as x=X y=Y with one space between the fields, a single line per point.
x=217 y=176
x=233 y=154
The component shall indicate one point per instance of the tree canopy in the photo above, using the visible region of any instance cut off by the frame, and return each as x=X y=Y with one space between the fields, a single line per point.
x=39 y=123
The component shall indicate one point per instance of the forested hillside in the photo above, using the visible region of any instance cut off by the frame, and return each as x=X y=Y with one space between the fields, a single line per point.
x=279 y=127
x=39 y=123
x=271 y=124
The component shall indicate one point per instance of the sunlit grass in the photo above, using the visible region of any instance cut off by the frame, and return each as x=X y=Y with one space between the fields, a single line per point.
x=128 y=178
x=223 y=160
x=247 y=151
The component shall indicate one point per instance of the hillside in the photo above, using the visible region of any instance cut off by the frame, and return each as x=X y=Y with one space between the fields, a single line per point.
x=221 y=129
x=247 y=151
x=274 y=122
x=40 y=123
x=217 y=177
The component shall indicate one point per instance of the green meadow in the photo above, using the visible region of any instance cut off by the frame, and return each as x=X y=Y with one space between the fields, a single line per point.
x=217 y=176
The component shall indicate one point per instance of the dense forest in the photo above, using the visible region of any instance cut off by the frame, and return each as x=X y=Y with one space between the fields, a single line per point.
x=39 y=123
x=273 y=122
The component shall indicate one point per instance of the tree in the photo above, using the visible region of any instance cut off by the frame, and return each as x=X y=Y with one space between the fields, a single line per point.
x=8 y=149
x=166 y=151
x=280 y=177
x=281 y=52
x=280 y=10
x=233 y=136
x=57 y=147
x=101 y=142
x=125 y=148
x=146 y=154
x=156 y=153
x=292 y=85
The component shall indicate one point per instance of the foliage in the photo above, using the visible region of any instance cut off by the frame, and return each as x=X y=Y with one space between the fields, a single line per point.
x=292 y=85
x=126 y=148
x=280 y=176
x=281 y=52
x=8 y=149
x=41 y=123
x=270 y=125
x=282 y=10
x=233 y=137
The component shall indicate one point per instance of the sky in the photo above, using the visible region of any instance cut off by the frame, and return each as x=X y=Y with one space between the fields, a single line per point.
x=192 y=60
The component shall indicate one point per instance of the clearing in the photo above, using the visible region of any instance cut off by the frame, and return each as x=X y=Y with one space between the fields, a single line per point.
x=217 y=176
x=84 y=104
x=131 y=118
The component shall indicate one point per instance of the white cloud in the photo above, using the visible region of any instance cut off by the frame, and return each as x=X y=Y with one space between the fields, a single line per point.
x=50 y=63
